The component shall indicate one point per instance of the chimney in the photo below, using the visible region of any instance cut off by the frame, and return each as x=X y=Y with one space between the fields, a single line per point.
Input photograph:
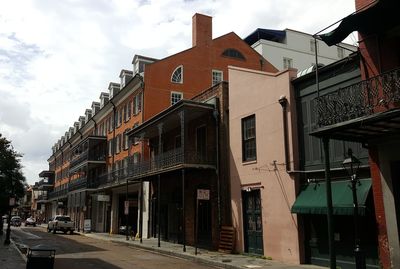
x=67 y=137
x=62 y=141
x=71 y=132
x=104 y=98
x=201 y=30
x=125 y=76
x=95 y=108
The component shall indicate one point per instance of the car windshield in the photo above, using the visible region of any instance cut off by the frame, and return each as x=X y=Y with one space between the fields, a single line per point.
x=64 y=218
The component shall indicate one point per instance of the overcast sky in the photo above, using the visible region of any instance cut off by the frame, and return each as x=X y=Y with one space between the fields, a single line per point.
x=57 y=56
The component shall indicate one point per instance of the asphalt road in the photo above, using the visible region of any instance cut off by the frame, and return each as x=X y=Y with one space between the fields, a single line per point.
x=76 y=251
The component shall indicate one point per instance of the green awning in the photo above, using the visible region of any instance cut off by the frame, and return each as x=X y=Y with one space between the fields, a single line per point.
x=312 y=199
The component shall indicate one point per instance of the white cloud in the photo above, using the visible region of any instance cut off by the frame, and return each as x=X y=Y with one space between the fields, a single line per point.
x=57 y=56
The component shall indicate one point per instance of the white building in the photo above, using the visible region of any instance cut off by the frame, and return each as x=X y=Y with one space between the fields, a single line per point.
x=293 y=49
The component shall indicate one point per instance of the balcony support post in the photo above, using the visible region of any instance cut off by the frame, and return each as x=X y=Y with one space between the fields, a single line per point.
x=159 y=209
x=160 y=133
x=182 y=116
x=141 y=211
x=329 y=213
x=183 y=212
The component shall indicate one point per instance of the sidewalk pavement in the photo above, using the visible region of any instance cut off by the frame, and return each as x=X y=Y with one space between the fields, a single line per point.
x=10 y=258
x=214 y=258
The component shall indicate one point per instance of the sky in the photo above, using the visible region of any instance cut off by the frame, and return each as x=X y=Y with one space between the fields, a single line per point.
x=57 y=56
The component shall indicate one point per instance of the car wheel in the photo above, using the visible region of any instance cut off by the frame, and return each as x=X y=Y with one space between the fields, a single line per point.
x=71 y=232
x=34 y=225
x=54 y=230
x=48 y=229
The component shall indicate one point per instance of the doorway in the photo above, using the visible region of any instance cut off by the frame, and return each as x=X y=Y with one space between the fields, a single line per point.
x=252 y=218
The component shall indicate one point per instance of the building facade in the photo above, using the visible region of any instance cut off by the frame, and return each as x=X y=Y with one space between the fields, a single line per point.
x=293 y=49
x=263 y=158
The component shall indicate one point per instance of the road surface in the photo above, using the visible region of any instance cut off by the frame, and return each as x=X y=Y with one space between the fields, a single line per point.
x=77 y=251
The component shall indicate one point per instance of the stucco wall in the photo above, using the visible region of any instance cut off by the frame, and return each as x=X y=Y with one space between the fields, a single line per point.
x=254 y=92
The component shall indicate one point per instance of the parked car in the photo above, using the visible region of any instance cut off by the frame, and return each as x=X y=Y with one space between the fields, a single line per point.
x=30 y=222
x=16 y=221
x=61 y=223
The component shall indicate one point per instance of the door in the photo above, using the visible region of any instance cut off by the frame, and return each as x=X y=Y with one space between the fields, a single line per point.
x=253 y=231
x=204 y=229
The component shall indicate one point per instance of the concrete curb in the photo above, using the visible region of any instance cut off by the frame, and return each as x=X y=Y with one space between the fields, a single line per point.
x=19 y=251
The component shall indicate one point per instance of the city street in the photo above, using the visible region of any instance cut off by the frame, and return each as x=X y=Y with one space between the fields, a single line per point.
x=76 y=251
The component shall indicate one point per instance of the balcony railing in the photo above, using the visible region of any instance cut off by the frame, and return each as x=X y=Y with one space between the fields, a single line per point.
x=87 y=156
x=78 y=183
x=58 y=193
x=42 y=197
x=364 y=98
x=159 y=163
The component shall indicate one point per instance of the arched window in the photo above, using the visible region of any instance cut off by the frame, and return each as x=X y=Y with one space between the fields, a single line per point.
x=233 y=53
x=177 y=75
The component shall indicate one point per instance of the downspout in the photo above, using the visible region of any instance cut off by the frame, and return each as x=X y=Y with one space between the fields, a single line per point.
x=216 y=117
x=283 y=102
x=95 y=125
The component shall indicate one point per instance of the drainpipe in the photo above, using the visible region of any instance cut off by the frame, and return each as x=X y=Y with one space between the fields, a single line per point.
x=216 y=117
x=283 y=102
x=95 y=125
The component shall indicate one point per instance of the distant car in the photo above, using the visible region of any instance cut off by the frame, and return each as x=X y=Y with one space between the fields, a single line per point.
x=61 y=223
x=30 y=222
x=16 y=221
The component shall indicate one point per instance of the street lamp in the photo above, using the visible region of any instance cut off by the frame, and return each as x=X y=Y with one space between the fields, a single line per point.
x=351 y=165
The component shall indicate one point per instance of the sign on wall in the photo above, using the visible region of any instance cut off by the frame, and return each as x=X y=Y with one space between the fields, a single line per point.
x=103 y=198
x=203 y=194
x=126 y=211
x=87 y=226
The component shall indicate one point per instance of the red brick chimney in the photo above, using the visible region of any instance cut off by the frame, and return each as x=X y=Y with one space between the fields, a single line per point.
x=201 y=30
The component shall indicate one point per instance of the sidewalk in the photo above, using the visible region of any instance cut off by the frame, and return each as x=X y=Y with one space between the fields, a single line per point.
x=10 y=258
x=229 y=261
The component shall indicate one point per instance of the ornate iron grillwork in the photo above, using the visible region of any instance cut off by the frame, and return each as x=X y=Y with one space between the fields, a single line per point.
x=377 y=94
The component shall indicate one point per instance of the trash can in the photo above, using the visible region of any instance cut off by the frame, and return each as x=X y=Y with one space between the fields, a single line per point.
x=40 y=257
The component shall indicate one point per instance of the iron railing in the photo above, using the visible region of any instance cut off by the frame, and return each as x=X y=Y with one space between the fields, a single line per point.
x=58 y=193
x=87 y=156
x=158 y=163
x=364 y=98
x=78 y=183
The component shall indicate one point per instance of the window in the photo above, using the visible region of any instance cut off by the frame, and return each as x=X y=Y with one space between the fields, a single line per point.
x=287 y=63
x=110 y=147
x=340 y=53
x=118 y=144
x=217 y=77
x=249 y=138
x=126 y=112
x=120 y=113
x=130 y=109
x=137 y=103
x=233 y=53
x=177 y=75
x=126 y=140
x=175 y=97
x=136 y=156
x=313 y=42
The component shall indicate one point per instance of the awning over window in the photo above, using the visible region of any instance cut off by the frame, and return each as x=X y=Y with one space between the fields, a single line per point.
x=312 y=199
x=378 y=16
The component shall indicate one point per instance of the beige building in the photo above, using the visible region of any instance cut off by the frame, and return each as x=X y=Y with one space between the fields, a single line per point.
x=262 y=178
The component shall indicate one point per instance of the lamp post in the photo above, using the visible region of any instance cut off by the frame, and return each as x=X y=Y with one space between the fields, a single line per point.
x=351 y=164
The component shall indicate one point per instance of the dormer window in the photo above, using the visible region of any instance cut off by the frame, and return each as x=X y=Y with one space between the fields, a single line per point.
x=233 y=53
x=177 y=75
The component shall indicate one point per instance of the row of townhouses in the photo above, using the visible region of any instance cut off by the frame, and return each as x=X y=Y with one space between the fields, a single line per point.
x=228 y=136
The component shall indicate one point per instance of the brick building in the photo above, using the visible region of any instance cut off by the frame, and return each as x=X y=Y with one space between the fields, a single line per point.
x=94 y=162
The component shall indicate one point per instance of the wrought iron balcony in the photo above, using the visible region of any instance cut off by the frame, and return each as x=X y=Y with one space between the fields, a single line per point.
x=377 y=94
x=57 y=194
x=78 y=183
x=168 y=160
x=86 y=156
x=42 y=197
